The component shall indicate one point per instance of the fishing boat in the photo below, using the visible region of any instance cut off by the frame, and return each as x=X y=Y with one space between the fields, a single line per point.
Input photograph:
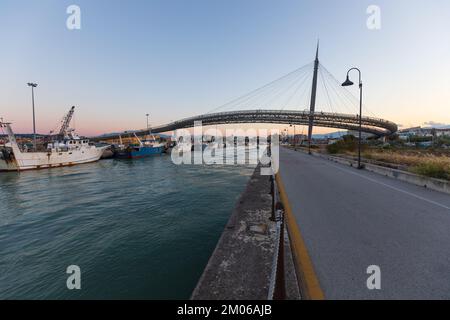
x=144 y=148
x=66 y=149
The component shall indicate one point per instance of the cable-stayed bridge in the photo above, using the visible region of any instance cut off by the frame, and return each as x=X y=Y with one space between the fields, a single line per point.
x=309 y=95
x=376 y=126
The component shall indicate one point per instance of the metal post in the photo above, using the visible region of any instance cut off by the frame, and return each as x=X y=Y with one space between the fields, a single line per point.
x=280 y=286
x=34 y=119
x=360 y=122
x=33 y=85
x=346 y=83
x=272 y=193
x=295 y=140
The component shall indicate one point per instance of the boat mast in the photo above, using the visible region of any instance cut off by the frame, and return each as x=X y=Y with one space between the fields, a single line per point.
x=140 y=142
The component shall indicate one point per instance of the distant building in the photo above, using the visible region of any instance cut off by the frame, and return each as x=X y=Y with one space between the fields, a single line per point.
x=442 y=132
x=405 y=134
x=364 y=135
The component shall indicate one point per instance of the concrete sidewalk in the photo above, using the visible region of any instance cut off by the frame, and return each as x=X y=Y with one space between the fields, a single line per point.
x=241 y=265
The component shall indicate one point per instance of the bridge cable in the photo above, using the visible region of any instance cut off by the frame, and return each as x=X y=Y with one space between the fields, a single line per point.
x=258 y=90
x=333 y=85
x=300 y=85
x=306 y=91
x=261 y=95
x=340 y=101
x=288 y=89
x=276 y=90
x=343 y=93
x=326 y=90
x=349 y=95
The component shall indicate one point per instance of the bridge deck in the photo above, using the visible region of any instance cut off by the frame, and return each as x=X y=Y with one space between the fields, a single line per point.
x=350 y=219
x=376 y=126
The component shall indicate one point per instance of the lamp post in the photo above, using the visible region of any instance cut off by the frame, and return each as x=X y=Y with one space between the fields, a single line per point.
x=147 y=119
x=347 y=83
x=33 y=85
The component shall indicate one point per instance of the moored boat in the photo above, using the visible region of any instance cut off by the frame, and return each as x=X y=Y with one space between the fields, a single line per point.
x=144 y=148
x=66 y=149
x=62 y=153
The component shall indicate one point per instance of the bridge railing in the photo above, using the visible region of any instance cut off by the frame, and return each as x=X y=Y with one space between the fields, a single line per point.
x=303 y=113
x=277 y=284
x=373 y=125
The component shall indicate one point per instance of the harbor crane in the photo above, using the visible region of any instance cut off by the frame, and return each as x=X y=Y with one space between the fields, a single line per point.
x=65 y=123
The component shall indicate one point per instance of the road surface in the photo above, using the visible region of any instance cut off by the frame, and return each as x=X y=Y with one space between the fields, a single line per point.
x=351 y=219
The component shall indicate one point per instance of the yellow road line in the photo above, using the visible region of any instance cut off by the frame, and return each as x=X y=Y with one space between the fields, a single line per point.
x=309 y=283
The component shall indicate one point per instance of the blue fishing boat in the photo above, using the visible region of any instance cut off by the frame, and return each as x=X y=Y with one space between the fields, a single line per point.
x=145 y=151
x=145 y=148
x=138 y=151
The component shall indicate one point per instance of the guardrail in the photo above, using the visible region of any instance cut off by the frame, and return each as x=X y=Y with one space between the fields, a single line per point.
x=277 y=285
x=418 y=180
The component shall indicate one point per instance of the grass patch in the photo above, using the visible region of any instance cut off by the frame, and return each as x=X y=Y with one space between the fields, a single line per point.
x=425 y=164
x=433 y=169
x=431 y=163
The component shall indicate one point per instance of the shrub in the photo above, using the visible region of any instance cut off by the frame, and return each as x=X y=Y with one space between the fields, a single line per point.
x=433 y=169
x=348 y=143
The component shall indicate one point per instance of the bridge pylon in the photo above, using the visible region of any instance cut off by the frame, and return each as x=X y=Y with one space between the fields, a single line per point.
x=312 y=105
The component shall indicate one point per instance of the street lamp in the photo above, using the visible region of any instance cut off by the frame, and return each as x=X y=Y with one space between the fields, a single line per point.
x=147 y=120
x=33 y=85
x=347 y=83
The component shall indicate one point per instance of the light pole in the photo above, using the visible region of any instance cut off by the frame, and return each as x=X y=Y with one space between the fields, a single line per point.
x=147 y=120
x=33 y=85
x=347 y=83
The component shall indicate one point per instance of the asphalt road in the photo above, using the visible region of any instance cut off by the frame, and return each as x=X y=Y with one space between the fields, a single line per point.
x=351 y=219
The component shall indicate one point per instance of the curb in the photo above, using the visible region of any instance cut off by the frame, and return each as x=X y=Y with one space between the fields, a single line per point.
x=429 y=183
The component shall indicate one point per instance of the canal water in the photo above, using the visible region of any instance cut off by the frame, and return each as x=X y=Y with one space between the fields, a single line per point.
x=138 y=229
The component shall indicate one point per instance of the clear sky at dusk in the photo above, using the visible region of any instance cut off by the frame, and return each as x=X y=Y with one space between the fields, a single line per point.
x=175 y=59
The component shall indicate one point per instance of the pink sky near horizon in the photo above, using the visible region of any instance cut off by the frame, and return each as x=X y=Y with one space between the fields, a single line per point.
x=175 y=64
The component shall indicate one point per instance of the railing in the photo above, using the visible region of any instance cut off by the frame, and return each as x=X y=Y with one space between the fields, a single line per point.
x=372 y=125
x=277 y=285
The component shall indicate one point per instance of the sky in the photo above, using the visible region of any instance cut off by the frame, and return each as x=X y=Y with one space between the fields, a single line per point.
x=175 y=59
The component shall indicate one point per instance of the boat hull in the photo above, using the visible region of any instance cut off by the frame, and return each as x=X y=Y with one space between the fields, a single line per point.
x=142 y=152
x=43 y=160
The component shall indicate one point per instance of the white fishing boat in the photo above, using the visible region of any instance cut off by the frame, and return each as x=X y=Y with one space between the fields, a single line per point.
x=66 y=149
x=151 y=141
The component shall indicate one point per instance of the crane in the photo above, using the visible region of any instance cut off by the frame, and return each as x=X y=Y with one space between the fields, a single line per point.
x=65 y=122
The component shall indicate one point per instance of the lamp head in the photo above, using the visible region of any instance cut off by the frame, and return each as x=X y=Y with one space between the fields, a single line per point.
x=347 y=82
